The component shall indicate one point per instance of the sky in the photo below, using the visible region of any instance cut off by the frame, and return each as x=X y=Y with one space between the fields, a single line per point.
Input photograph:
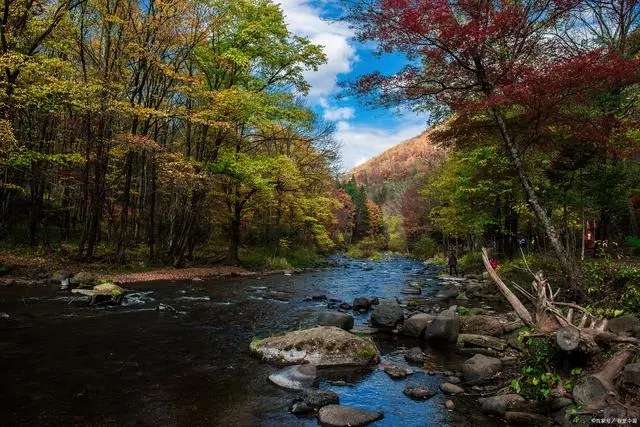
x=363 y=132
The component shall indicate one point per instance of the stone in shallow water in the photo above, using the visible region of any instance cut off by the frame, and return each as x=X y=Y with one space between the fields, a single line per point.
x=387 y=314
x=311 y=400
x=416 y=324
x=480 y=367
x=449 y=388
x=418 y=393
x=341 y=320
x=343 y=416
x=498 y=405
x=415 y=355
x=395 y=371
x=298 y=377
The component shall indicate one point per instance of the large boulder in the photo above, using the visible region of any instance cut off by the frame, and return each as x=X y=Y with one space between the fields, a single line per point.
x=387 y=314
x=297 y=377
x=321 y=346
x=444 y=327
x=623 y=324
x=416 y=324
x=498 y=405
x=481 y=325
x=480 y=367
x=343 y=416
x=331 y=318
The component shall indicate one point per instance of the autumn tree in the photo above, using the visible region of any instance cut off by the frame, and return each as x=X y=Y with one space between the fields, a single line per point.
x=498 y=61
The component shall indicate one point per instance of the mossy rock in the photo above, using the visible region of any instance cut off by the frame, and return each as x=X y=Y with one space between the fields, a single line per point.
x=83 y=280
x=322 y=346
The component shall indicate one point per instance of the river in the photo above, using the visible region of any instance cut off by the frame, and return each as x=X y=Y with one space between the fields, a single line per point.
x=65 y=363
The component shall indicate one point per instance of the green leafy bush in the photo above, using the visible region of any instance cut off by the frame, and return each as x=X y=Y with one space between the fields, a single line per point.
x=425 y=247
x=472 y=261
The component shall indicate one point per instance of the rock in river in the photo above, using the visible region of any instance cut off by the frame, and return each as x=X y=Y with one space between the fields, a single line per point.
x=416 y=324
x=482 y=325
x=417 y=393
x=313 y=399
x=415 y=355
x=395 y=371
x=361 y=303
x=343 y=416
x=481 y=367
x=448 y=388
x=387 y=314
x=444 y=327
x=297 y=377
x=498 y=405
x=322 y=346
x=341 y=320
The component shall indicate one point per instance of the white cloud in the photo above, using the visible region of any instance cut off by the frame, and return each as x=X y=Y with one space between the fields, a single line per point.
x=336 y=38
x=360 y=143
x=341 y=113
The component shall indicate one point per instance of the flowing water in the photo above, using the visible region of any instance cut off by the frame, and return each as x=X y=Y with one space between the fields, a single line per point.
x=65 y=363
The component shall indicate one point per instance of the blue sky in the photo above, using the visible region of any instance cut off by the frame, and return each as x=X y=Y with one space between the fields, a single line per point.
x=364 y=133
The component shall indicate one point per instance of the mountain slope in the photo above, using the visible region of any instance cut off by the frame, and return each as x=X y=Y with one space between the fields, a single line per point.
x=390 y=174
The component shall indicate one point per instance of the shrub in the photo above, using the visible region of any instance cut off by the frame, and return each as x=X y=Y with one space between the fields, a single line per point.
x=425 y=247
x=472 y=261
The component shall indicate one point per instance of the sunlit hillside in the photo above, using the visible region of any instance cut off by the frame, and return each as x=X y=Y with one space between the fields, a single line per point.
x=389 y=175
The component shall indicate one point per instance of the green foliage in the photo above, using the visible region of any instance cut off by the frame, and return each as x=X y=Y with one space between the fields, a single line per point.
x=463 y=311
x=263 y=258
x=466 y=186
x=397 y=239
x=276 y=263
x=611 y=283
x=368 y=248
x=536 y=382
x=471 y=261
x=425 y=247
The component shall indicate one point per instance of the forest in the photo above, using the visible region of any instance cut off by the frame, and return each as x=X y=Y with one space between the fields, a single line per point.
x=177 y=132
x=155 y=129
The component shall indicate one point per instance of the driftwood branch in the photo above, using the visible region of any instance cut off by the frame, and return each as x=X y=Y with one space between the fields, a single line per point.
x=520 y=309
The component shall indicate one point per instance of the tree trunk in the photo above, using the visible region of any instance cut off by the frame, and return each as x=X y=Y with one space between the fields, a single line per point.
x=232 y=253
x=151 y=211
x=550 y=232
x=124 y=213
x=520 y=310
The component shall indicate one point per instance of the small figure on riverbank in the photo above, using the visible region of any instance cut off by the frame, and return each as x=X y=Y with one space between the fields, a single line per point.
x=453 y=265
x=494 y=263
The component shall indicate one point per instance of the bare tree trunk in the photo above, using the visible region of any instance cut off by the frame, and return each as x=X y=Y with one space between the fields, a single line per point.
x=124 y=214
x=520 y=309
x=532 y=198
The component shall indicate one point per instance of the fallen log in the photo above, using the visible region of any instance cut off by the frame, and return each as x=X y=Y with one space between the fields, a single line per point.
x=600 y=384
x=570 y=338
x=520 y=309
